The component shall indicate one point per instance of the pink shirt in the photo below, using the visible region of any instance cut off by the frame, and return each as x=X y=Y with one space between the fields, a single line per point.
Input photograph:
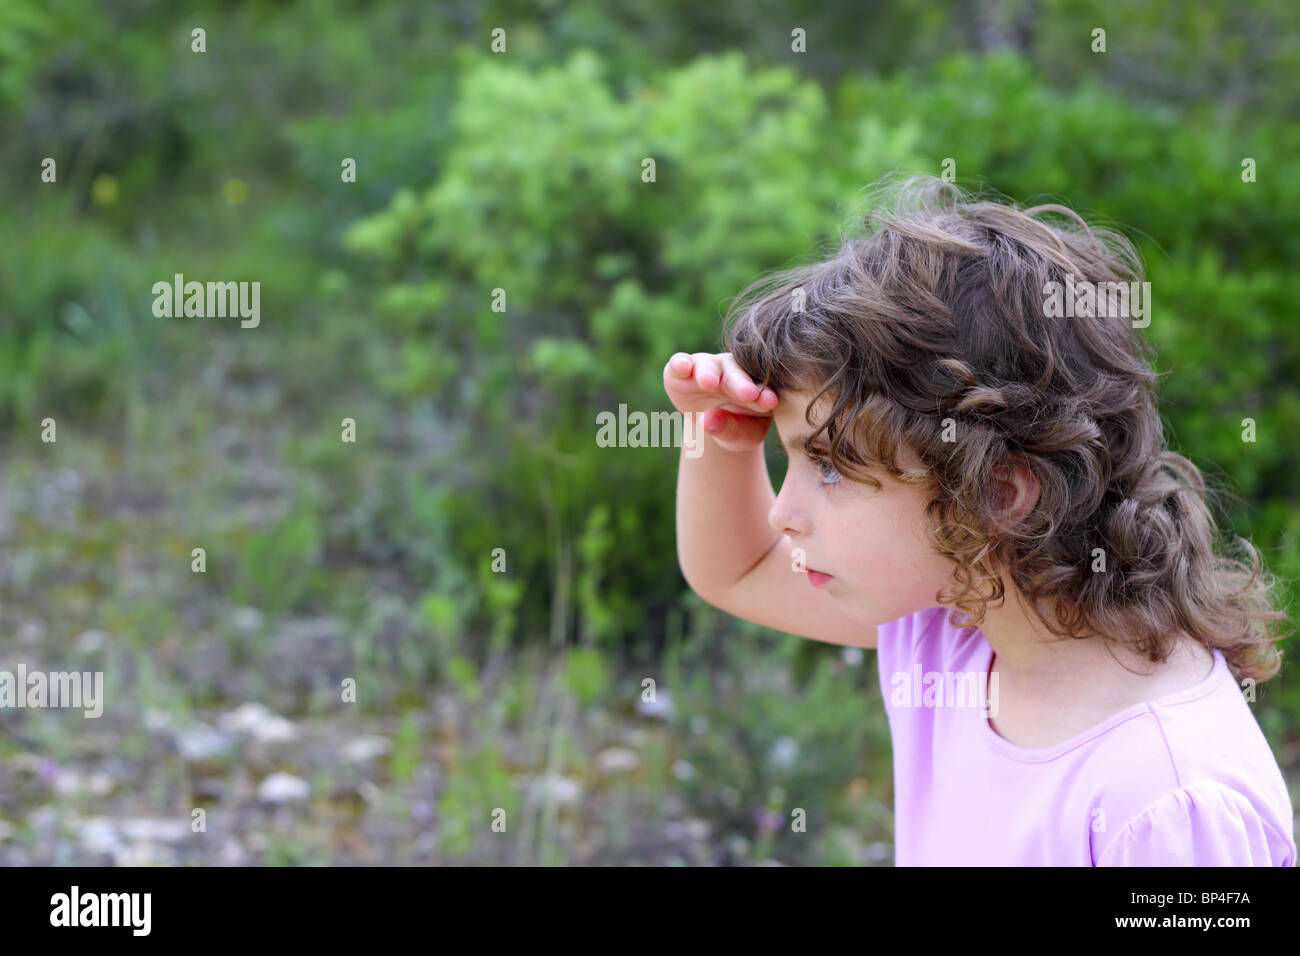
x=1185 y=780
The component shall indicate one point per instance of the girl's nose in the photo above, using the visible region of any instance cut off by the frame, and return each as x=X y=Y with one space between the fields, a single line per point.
x=786 y=516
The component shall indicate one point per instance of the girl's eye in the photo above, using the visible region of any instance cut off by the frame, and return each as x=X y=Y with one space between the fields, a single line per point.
x=829 y=475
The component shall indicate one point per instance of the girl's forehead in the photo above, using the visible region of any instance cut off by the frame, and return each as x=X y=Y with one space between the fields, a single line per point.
x=794 y=403
x=791 y=396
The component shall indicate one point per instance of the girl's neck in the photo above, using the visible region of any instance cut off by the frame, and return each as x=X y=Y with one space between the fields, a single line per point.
x=1031 y=661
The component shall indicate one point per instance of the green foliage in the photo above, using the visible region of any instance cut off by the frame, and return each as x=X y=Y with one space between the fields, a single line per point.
x=405 y=756
x=463 y=675
x=604 y=276
x=476 y=427
x=475 y=789
x=277 y=567
x=586 y=675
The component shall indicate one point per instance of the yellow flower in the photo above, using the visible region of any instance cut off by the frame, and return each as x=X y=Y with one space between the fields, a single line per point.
x=104 y=190
x=236 y=191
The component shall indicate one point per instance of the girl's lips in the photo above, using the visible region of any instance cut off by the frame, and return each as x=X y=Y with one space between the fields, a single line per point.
x=817 y=578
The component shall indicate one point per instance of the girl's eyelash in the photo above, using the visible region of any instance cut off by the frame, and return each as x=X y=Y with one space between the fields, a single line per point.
x=818 y=462
x=818 y=459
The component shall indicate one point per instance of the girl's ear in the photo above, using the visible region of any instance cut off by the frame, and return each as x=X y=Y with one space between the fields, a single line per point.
x=1017 y=488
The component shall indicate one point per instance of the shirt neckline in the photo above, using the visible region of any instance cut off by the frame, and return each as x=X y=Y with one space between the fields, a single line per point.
x=1043 y=754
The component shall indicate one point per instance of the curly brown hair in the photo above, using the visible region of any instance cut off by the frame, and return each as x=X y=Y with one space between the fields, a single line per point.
x=928 y=329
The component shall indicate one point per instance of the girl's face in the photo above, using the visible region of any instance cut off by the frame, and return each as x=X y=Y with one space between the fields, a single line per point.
x=869 y=546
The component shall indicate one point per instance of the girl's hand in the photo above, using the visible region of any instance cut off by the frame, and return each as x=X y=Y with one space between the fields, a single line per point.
x=732 y=409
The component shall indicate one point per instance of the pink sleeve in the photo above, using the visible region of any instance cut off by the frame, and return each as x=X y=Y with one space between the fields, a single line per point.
x=893 y=638
x=1199 y=825
x=896 y=640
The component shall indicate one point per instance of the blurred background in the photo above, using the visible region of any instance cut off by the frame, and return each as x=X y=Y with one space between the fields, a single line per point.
x=329 y=561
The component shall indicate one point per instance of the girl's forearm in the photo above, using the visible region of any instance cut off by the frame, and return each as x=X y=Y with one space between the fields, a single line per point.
x=723 y=500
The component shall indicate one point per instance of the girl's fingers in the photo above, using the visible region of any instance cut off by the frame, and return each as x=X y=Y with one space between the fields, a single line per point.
x=680 y=365
x=743 y=388
x=718 y=374
x=708 y=371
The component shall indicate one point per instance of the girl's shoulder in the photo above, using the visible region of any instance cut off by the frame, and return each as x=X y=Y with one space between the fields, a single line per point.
x=1206 y=823
x=1200 y=786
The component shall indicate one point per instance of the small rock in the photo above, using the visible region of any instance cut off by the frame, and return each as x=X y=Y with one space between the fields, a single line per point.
x=98 y=835
x=683 y=770
x=156 y=721
x=783 y=753
x=692 y=829
x=157 y=830
x=232 y=854
x=617 y=759
x=67 y=782
x=141 y=853
x=104 y=835
x=199 y=742
x=256 y=721
x=557 y=789
x=361 y=749
x=91 y=641
x=246 y=619
x=283 y=788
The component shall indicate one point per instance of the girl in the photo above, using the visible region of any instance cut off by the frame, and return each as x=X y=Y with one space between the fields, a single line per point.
x=979 y=487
